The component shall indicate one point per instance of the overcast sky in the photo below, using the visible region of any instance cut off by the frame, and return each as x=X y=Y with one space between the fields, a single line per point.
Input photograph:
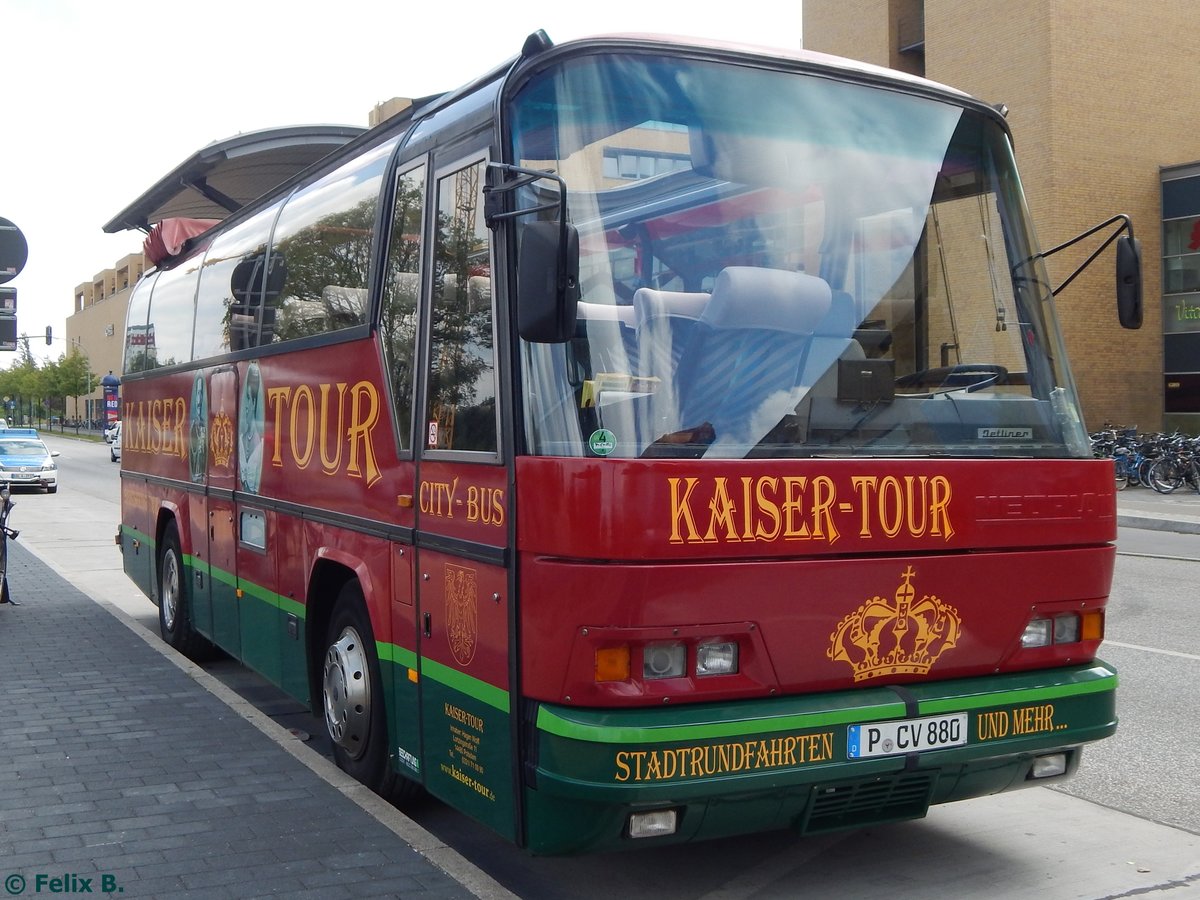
x=100 y=99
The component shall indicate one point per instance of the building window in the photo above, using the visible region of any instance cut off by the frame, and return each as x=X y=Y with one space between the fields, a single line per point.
x=632 y=165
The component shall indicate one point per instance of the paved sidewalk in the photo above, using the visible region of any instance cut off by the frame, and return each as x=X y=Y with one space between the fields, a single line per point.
x=120 y=773
x=1139 y=507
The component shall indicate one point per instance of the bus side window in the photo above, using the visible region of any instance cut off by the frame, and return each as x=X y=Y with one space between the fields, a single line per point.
x=324 y=233
x=229 y=299
x=461 y=413
x=136 y=328
x=401 y=291
x=167 y=339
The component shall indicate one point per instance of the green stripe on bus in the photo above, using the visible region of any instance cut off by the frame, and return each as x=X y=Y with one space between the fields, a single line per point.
x=551 y=722
x=1019 y=696
x=251 y=589
x=257 y=591
x=280 y=602
x=400 y=656
x=129 y=531
x=465 y=684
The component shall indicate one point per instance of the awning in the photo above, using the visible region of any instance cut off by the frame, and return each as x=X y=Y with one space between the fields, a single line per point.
x=226 y=175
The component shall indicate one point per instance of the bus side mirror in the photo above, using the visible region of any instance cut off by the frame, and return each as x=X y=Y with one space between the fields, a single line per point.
x=1129 y=281
x=548 y=257
x=548 y=282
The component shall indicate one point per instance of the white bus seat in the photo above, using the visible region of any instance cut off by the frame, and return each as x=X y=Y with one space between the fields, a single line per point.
x=665 y=322
x=749 y=346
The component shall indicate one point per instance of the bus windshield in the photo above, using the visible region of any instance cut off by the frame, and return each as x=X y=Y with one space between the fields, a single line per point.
x=781 y=264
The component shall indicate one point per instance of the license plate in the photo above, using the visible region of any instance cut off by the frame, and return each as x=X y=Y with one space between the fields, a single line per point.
x=906 y=736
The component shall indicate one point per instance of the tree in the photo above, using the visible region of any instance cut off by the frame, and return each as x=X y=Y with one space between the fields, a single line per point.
x=73 y=377
x=24 y=382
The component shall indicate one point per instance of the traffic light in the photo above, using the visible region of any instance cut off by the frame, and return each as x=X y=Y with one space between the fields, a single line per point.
x=48 y=338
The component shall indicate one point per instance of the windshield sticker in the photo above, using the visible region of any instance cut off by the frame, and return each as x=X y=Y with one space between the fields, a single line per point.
x=602 y=442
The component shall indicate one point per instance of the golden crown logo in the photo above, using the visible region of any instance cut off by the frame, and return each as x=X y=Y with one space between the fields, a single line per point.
x=904 y=636
x=220 y=441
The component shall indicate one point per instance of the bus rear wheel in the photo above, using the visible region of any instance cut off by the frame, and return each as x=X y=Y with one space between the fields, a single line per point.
x=174 y=605
x=352 y=699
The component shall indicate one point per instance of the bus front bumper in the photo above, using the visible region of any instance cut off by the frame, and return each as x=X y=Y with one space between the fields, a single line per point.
x=815 y=762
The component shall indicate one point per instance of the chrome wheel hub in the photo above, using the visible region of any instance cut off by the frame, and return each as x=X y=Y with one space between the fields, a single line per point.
x=170 y=590
x=347 y=693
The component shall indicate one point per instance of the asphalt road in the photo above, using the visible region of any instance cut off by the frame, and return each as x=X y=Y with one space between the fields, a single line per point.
x=1127 y=825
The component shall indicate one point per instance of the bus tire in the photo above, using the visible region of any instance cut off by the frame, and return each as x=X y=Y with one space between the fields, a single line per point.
x=353 y=701
x=174 y=606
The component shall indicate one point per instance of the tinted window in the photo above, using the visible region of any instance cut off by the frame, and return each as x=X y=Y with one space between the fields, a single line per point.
x=321 y=251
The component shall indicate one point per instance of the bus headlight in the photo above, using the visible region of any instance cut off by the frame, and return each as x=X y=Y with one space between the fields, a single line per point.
x=1066 y=629
x=719 y=658
x=1038 y=633
x=655 y=823
x=663 y=660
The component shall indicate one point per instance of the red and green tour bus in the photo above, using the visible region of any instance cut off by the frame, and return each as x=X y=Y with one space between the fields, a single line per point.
x=643 y=443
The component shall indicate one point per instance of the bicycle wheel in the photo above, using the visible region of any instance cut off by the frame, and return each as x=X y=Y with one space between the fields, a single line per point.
x=1144 y=470
x=1120 y=469
x=1166 y=475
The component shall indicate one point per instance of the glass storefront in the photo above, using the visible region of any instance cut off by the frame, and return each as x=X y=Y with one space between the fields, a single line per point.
x=1181 y=296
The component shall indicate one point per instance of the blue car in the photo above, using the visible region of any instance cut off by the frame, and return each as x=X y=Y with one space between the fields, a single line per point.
x=26 y=461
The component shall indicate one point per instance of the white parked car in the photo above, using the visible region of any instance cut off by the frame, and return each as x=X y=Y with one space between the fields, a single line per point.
x=114 y=449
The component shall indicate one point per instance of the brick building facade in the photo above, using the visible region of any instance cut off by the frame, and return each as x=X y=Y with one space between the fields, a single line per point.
x=1093 y=95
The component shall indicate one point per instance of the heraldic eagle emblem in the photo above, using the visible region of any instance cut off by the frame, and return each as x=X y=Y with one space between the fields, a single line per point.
x=462 y=614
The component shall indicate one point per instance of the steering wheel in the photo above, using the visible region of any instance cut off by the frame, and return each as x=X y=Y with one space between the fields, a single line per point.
x=965 y=376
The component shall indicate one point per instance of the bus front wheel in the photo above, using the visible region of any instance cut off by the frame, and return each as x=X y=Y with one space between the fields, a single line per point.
x=352 y=698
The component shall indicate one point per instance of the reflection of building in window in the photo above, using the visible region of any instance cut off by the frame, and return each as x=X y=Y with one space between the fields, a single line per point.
x=636 y=164
x=141 y=336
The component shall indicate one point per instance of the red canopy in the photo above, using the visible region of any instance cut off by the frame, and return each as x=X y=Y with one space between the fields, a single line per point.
x=167 y=238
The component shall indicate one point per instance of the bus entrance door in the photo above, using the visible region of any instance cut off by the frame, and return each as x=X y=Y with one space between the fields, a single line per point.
x=222 y=535
x=468 y=717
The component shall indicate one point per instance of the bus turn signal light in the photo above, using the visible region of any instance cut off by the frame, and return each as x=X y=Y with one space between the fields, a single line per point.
x=1093 y=626
x=612 y=663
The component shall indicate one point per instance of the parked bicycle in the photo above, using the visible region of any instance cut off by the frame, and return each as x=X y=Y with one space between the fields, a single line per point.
x=1179 y=465
x=1160 y=461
